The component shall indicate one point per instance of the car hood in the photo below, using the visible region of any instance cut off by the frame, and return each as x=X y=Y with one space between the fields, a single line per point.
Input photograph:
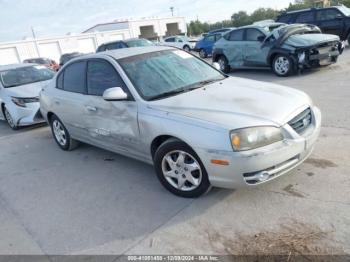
x=236 y=103
x=30 y=90
x=310 y=39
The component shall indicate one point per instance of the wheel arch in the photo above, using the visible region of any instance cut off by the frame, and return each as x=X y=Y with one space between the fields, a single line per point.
x=49 y=116
x=159 y=140
x=3 y=109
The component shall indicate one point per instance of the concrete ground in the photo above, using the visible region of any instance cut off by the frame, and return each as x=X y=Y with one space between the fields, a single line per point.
x=91 y=201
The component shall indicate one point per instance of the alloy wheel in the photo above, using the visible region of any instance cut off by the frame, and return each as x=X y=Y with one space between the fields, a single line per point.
x=181 y=170
x=59 y=132
x=282 y=65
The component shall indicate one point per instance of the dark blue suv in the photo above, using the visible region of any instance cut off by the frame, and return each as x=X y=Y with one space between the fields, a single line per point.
x=333 y=20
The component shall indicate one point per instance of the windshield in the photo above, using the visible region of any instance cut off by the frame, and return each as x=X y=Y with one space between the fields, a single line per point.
x=139 y=42
x=344 y=10
x=165 y=73
x=25 y=75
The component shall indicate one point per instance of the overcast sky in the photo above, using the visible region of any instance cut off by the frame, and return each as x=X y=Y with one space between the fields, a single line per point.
x=58 y=17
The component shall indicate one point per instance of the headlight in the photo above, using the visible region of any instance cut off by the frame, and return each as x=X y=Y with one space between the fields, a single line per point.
x=19 y=101
x=254 y=137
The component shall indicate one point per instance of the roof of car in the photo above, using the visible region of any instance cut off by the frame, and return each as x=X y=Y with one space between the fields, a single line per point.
x=309 y=9
x=15 y=66
x=127 y=52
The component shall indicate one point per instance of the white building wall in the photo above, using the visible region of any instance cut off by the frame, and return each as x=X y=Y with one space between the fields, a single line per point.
x=16 y=52
x=159 y=25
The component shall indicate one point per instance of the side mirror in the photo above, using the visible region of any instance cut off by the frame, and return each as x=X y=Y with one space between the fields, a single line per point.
x=216 y=65
x=261 y=38
x=114 y=94
x=338 y=16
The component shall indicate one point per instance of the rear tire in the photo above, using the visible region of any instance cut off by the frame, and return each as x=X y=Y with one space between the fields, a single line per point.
x=180 y=170
x=9 y=119
x=203 y=54
x=283 y=65
x=224 y=66
x=61 y=135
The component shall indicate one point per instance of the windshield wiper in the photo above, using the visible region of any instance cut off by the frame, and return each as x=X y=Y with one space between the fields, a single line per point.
x=167 y=94
x=203 y=83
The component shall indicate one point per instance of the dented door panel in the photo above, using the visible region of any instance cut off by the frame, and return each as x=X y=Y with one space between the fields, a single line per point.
x=255 y=54
x=234 y=53
x=112 y=124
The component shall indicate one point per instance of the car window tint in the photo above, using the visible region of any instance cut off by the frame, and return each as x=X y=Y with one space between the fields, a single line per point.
x=284 y=18
x=217 y=37
x=172 y=39
x=236 y=35
x=210 y=38
x=253 y=34
x=101 y=76
x=305 y=17
x=74 y=78
x=327 y=14
x=60 y=81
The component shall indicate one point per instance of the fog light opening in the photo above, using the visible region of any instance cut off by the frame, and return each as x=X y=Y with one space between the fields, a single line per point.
x=263 y=176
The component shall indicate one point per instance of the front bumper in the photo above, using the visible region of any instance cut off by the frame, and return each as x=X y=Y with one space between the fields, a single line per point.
x=28 y=115
x=321 y=56
x=272 y=161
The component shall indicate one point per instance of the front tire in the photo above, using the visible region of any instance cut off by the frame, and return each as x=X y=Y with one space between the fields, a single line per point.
x=61 y=135
x=224 y=66
x=9 y=119
x=283 y=65
x=180 y=170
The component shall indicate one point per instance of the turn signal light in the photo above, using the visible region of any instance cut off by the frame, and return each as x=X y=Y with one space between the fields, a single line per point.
x=220 y=162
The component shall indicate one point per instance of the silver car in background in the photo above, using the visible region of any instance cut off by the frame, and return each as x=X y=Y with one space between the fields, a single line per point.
x=20 y=85
x=197 y=126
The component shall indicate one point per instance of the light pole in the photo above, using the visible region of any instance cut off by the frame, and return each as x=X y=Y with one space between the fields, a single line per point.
x=35 y=42
x=172 y=10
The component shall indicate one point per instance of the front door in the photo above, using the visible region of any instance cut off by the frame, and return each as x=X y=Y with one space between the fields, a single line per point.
x=110 y=124
x=255 y=53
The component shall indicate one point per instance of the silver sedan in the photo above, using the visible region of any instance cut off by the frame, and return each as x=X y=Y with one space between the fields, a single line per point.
x=197 y=126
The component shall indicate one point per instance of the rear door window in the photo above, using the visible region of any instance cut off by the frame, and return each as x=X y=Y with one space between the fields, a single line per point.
x=74 y=78
x=305 y=17
x=171 y=39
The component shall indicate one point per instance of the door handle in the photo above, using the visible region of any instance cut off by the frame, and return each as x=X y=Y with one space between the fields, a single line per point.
x=91 y=108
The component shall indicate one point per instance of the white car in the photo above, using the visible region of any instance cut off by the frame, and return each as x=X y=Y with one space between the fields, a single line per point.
x=20 y=85
x=181 y=42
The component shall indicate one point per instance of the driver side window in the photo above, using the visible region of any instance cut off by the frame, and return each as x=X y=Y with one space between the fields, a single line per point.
x=101 y=75
x=254 y=34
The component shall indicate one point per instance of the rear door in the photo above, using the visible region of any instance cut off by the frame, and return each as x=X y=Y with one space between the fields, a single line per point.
x=233 y=48
x=110 y=124
x=307 y=17
x=330 y=21
x=254 y=53
x=70 y=98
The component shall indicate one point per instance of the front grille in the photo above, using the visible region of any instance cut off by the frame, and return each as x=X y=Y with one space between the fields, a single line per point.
x=302 y=121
